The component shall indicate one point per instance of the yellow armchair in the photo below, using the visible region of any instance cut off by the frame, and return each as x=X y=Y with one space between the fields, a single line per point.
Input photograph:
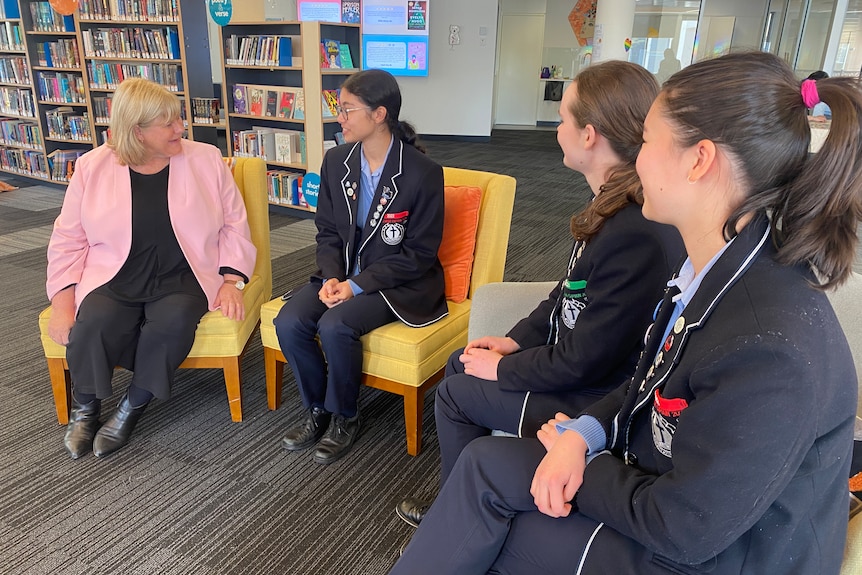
x=405 y=360
x=219 y=342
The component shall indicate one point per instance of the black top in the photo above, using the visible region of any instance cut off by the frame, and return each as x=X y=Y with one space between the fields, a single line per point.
x=156 y=266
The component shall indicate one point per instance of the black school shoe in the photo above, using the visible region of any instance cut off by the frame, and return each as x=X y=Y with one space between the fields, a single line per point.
x=308 y=431
x=338 y=439
x=412 y=510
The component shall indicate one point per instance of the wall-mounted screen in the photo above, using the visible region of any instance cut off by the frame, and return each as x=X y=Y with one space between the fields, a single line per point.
x=395 y=36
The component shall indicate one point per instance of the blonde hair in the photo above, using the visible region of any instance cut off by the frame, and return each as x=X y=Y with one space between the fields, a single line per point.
x=138 y=102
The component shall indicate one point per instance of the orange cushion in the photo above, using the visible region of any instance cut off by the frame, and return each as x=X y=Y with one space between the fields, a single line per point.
x=459 y=239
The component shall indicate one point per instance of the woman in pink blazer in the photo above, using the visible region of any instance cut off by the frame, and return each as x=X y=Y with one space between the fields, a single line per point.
x=153 y=233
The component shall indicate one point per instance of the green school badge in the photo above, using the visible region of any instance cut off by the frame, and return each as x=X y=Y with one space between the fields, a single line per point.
x=574 y=300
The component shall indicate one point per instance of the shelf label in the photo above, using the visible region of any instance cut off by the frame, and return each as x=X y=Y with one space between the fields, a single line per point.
x=220 y=11
x=311 y=188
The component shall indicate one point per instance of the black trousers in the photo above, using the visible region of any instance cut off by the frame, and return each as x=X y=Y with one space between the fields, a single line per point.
x=485 y=521
x=329 y=373
x=149 y=338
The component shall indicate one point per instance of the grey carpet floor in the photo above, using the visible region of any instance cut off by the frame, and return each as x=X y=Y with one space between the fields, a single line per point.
x=195 y=493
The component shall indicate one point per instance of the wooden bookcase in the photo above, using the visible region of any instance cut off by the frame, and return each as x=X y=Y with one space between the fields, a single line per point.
x=305 y=73
x=74 y=65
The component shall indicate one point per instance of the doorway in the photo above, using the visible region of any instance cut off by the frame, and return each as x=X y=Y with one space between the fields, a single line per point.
x=520 y=61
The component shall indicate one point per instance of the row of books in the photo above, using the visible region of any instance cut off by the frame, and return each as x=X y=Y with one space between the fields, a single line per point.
x=60 y=53
x=11 y=36
x=269 y=101
x=26 y=162
x=108 y=75
x=46 y=20
x=261 y=50
x=285 y=188
x=14 y=70
x=138 y=10
x=271 y=144
x=102 y=136
x=68 y=124
x=206 y=110
x=156 y=43
x=101 y=108
x=61 y=164
x=20 y=133
x=17 y=101
x=61 y=87
x=335 y=54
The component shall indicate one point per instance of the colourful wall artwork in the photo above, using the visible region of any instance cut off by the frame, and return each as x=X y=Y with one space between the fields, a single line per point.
x=583 y=20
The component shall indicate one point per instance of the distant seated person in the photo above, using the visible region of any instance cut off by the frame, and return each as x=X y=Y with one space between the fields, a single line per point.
x=152 y=234
x=379 y=225
x=820 y=111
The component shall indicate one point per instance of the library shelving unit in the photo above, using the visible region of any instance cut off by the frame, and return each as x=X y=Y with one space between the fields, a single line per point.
x=58 y=73
x=22 y=147
x=258 y=72
x=62 y=107
x=163 y=40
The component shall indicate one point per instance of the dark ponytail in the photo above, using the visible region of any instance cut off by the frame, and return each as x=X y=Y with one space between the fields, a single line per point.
x=750 y=104
x=377 y=88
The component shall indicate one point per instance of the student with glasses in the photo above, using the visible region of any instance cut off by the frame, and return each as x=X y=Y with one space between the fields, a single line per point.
x=380 y=222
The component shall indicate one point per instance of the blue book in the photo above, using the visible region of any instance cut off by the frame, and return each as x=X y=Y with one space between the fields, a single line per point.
x=285 y=51
x=69 y=23
x=48 y=60
x=173 y=43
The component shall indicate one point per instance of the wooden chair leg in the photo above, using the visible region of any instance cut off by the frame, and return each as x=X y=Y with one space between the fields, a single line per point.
x=413 y=403
x=61 y=385
x=231 y=381
x=274 y=368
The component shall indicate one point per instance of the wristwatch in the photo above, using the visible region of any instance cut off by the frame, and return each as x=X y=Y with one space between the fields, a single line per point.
x=238 y=284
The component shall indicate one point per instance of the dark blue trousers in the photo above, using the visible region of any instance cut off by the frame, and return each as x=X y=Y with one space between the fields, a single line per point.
x=328 y=373
x=484 y=521
x=467 y=407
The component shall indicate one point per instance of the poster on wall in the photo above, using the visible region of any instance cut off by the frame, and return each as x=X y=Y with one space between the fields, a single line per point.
x=346 y=11
x=395 y=36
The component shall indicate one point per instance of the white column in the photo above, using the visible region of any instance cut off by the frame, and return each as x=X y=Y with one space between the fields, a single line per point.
x=614 y=23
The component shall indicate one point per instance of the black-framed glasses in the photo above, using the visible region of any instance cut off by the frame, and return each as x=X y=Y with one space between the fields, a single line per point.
x=342 y=111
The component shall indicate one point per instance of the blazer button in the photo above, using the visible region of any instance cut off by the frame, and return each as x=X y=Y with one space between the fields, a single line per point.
x=631 y=459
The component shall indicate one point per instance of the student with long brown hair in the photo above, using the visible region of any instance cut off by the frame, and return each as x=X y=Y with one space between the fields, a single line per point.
x=729 y=450
x=583 y=341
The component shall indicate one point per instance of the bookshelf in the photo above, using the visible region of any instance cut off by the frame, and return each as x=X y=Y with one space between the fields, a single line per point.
x=58 y=73
x=259 y=78
x=22 y=146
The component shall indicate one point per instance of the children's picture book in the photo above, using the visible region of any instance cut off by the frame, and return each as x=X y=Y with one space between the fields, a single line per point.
x=299 y=105
x=333 y=53
x=330 y=103
x=345 y=58
x=240 y=99
x=271 y=103
x=285 y=104
x=255 y=100
x=350 y=11
x=324 y=57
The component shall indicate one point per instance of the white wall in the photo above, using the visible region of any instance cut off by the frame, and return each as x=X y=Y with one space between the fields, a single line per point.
x=457 y=96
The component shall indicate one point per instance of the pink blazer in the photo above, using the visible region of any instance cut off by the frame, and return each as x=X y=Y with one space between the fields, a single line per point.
x=93 y=233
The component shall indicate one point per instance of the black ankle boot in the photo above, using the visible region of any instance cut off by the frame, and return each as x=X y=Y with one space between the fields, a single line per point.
x=115 y=432
x=83 y=423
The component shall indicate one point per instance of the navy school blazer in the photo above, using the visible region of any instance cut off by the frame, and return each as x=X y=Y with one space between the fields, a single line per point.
x=397 y=249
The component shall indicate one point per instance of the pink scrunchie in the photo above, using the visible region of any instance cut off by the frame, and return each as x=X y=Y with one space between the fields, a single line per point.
x=809 y=93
